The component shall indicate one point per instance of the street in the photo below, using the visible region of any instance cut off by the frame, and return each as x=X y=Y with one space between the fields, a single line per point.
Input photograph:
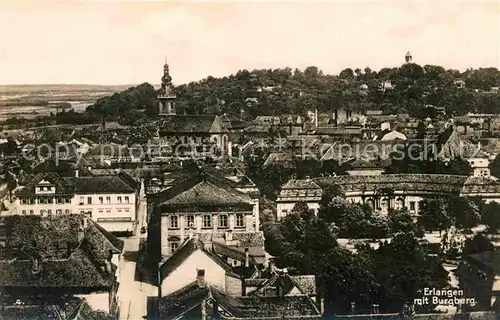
x=132 y=293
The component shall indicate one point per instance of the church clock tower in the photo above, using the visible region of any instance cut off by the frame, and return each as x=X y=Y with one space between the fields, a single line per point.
x=166 y=98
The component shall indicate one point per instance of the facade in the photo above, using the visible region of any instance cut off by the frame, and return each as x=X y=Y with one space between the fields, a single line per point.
x=108 y=200
x=387 y=191
x=294 y=191
x=212 y=208
x=59 y=257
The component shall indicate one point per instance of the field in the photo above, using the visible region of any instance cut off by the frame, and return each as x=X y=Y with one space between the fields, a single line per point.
x=28 y=101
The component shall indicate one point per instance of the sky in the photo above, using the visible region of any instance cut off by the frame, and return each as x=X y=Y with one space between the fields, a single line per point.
x=111 y=43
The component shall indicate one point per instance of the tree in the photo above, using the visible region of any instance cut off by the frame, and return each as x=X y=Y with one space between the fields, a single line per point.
x=402 y=221
x=477 y=244
x=491 y=216
x=465 y=212
x=435 y=215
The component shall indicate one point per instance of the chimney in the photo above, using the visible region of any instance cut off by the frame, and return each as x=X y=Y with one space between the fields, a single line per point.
x=375 y=309
x=108 y=267
x=81 y=234
x=76 y=173
x=200 y=277
x=271 y=264
x=316 y=117
x=247 y=258
x=353 y=308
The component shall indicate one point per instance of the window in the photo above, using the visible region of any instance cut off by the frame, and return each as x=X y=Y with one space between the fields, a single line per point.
x=42 y=212
x=59 y=200
x=173 y=247
x=32 y=200
x=101 y=211
x=190 y=221
x=89 y=200
x=101 y=200
x=412 y=205
x=58 y=211
x=50 y=200
x=240 y=222
x=32 y=212
x=127 y=200
x=119 y=199
x=207 y=221
x=81 y=201
x=223 y=221
x=174 y=222
x=24 y=212
x=119 y=210
x=68 y=200
x=127 y=210
x=24 y=201
x=200 y=273
x=49 y=212
x=67 y=211
x=108 y=200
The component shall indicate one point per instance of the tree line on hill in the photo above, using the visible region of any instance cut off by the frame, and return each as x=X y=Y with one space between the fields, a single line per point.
x=287 y=91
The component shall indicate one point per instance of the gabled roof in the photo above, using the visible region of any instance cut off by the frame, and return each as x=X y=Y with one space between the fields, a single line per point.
x=184 y=252
x=202 y=191
x=480 y=185
x=66 y=260
x=191 y=124
x=99 y=184
x=306 y=284
x=362 y=164
x=238 y=253
x=180 y=302
x=60 y=184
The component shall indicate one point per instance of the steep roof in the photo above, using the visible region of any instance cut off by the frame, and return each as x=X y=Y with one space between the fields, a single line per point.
x=62 y=187
x=474 y=185
x=191 y=124
x=184 y=252
x=201 y=191
x=100 y=184
x=191 y=296
x=66 y=260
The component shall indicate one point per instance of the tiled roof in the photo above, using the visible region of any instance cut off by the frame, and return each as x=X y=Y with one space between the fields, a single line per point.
x=184 y=252
x=66 y=261
x=436 y=183
x=306 y=284
x=474 y=185
x=99 y=184
x=61 y=185
x=338 y=131
x=281 y=158
x=244 y=239
x=30 y=312
x=238 y=253
x=286 y=307
x=189 y=124
x=362 y=164
x=183 y=300
x=306 y=189
x=206 y=193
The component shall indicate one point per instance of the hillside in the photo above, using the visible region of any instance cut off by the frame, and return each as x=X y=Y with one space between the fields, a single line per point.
x=247 y=94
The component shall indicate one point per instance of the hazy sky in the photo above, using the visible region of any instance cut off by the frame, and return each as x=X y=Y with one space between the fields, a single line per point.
x=126 y=43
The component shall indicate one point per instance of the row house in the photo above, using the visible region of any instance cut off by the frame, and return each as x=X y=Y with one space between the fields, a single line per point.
x=110 y=200
x=296 y=190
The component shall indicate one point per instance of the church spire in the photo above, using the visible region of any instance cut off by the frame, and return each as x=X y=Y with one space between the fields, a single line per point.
x=166 y=80
x=166 y=97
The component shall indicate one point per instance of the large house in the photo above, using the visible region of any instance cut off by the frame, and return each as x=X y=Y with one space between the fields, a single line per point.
x=48 y=259
x=210 y=206
x=109 y=200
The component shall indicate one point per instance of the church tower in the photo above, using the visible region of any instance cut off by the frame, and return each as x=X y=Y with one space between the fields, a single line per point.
x=166 y=98
x=408 y=57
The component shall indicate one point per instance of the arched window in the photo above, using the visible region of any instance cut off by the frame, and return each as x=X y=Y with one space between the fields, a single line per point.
x=399 y=203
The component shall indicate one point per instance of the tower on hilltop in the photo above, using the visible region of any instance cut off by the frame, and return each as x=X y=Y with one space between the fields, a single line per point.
x=408 y=57
x=166 y=98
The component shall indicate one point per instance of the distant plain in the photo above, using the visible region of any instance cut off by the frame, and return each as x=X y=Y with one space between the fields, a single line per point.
x=29 y=101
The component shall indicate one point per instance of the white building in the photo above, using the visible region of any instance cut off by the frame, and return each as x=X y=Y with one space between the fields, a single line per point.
x=298 y=191
x=109 y=200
